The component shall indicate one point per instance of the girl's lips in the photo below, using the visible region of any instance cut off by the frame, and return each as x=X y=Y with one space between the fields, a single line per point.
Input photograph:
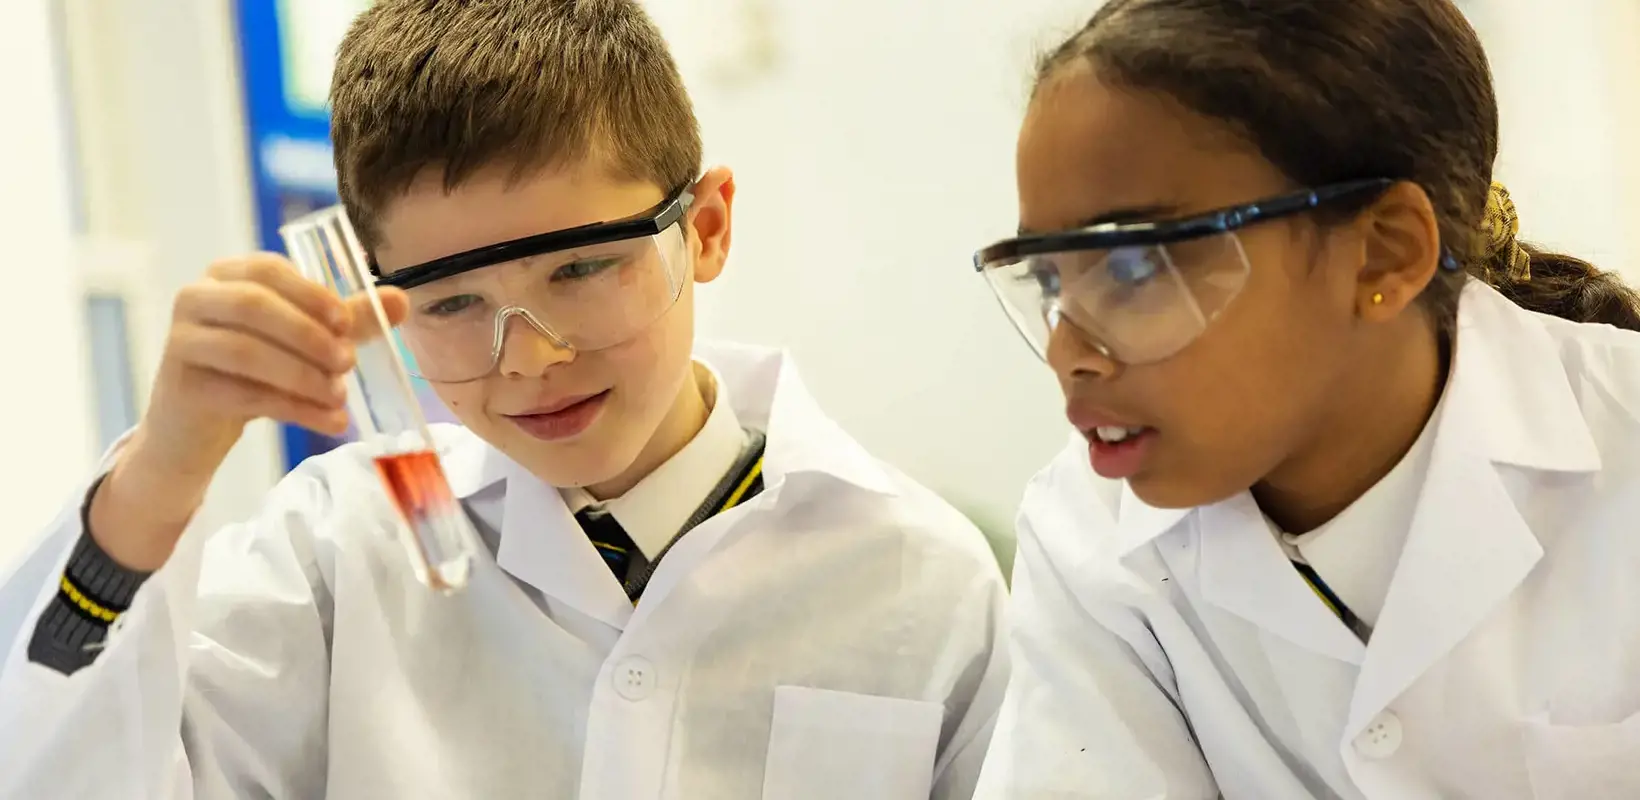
x=1120 y=460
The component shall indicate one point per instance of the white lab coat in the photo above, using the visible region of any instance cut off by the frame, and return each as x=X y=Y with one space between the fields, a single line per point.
x=839 y=636
x=1177 y=654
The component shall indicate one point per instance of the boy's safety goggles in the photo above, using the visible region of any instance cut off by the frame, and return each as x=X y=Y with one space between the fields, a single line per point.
x=1139 y=292
x=584 y=288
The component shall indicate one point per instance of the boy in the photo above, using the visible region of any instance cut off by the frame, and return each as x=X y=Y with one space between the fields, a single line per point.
x=526 y=175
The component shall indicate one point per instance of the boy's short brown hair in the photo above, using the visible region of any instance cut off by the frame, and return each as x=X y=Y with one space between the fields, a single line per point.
x=461 y=85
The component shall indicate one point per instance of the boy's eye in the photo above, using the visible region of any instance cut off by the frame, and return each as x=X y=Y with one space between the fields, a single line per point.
x=450 y=305
x=585 y=268
x=1131 y=265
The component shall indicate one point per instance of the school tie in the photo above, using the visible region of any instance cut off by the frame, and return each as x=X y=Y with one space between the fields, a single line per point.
x=743 y=482
x=1334 y=604
x=620 y=554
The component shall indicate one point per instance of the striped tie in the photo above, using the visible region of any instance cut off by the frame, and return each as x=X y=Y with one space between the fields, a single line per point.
x=612 y=541
x=631 y=567
x=1334 y=604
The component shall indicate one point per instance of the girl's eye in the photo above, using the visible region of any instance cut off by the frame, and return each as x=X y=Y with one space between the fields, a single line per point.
x=578 y=270
x=450 y=306
x=1044 y=275
x=1131 y=266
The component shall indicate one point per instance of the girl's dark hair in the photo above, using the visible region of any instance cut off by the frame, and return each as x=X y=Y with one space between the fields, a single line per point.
x=1337 y=90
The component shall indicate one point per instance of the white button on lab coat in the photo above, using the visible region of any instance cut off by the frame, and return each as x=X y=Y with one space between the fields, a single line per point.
x=1381 y=738
x=1177 y=654
x=837 y=637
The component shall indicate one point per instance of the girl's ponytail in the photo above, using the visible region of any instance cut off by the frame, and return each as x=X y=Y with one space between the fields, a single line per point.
x=1545 y=282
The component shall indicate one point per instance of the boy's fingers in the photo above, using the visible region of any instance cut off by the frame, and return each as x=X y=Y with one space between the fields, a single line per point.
x=259 y=310
x=279 y=274
x=257 y=399
x=240 y=355
x=365 y=324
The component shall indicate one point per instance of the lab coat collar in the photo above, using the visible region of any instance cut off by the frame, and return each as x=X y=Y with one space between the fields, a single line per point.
x=803 y=442
x=1243 y=570
x=1070 y=482
x=541 y=543
x=1469 y=547
x=1513 y=400
x=1139 y=523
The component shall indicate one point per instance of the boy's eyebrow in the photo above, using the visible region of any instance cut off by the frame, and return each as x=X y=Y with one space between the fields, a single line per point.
x=1132 y=214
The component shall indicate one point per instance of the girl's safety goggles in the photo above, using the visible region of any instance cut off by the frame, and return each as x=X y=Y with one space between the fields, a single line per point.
x=585 y=288
x=1140 y=292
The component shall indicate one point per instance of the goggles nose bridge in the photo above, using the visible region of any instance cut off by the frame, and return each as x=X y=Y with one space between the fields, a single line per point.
x=503 y=316
x=1056 y=318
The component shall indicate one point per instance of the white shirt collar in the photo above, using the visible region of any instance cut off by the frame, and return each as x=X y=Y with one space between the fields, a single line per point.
x=653 y=511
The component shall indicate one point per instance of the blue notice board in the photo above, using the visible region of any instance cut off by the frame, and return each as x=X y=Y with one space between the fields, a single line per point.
x=289 y=150
x=289 y=143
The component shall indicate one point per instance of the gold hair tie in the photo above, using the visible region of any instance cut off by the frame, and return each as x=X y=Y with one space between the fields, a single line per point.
x=1501 y=225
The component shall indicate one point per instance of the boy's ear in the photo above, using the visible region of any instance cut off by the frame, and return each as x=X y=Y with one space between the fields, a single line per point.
x=709 y=222
x=1403 y=250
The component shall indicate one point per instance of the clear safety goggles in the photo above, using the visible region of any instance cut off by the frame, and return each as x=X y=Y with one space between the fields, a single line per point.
x=586 y=288
x=1138 y=292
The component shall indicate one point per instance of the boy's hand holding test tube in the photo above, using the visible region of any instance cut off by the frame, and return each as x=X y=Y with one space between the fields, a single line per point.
x=253 y=339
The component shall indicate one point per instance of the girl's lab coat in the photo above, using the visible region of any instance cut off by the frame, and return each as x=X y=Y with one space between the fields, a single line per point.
x=1178 y=654
x=836 y=637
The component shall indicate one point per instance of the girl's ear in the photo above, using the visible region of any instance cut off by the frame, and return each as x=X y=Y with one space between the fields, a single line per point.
x=1403 y=249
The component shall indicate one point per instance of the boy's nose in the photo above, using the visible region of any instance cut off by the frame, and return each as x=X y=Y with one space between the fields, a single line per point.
x=529 y=348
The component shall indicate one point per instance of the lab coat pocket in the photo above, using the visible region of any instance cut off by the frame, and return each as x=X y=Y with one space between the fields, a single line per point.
x=829 y=745
x=1583 y=762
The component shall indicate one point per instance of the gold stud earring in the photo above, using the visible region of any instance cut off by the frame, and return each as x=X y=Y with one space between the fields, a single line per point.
x=1377 y=298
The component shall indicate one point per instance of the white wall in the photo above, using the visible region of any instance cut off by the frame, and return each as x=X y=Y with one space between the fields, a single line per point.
x=149 y=113
x=1570 y=115
x=43 y=401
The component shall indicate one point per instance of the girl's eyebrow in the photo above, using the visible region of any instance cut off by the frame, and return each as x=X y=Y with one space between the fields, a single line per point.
x=1120 y=215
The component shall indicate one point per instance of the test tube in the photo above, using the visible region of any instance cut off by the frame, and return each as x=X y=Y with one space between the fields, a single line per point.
x=436 y=534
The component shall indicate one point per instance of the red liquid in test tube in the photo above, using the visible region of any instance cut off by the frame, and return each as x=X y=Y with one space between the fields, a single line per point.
x=415 y=482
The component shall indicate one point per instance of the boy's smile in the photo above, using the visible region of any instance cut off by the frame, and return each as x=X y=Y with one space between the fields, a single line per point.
x=561 y=419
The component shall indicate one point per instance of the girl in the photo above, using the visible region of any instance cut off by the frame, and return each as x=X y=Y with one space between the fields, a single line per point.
x=1348 y=519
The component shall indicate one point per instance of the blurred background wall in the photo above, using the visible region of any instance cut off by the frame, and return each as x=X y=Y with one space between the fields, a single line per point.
x=873 y=144
x=44 y=400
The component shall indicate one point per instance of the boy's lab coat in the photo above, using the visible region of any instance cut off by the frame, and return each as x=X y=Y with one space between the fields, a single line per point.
x=839 y=636
x=1177 y=654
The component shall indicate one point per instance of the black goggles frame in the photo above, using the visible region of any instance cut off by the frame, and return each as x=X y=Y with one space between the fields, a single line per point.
x=645 y=223
x=1224 y=220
